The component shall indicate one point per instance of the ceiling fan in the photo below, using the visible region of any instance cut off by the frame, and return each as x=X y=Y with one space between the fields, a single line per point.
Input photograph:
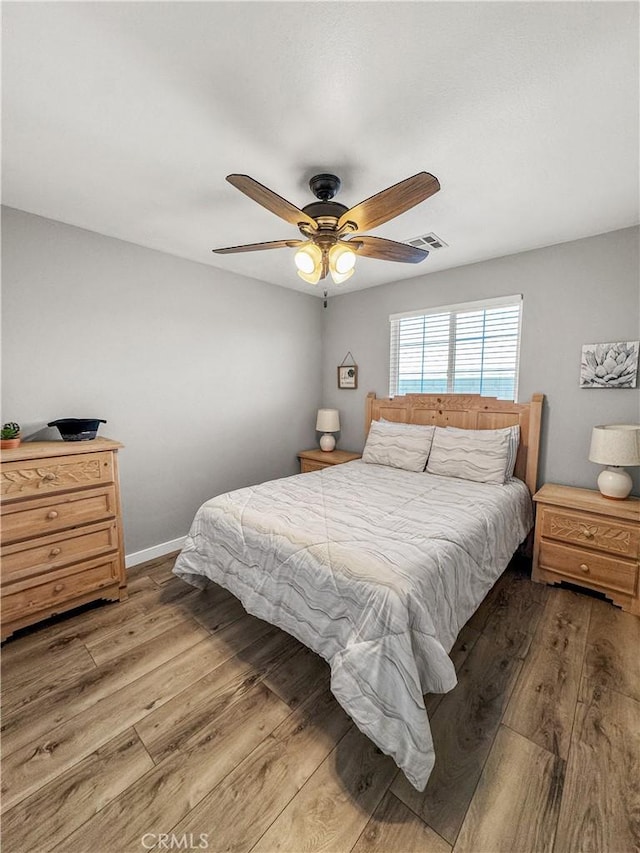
x=328 y=226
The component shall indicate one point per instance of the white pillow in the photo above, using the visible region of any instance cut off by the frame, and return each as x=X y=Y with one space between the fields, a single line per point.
x=398 y=445
x=481 y=455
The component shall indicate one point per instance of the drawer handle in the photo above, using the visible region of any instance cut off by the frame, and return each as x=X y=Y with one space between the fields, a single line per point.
x=58 y=587
x=584 y=567
x=588 y=534
x=53 y=514
x=54 y=552
x=49 y=476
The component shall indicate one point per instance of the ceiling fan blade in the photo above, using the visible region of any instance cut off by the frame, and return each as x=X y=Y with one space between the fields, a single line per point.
x=387 y=250
x=275 y=203
x=258 y=247
x=391 y=202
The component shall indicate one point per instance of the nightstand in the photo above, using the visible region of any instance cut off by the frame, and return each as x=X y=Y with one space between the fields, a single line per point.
x=586 y=539
x=316 y=460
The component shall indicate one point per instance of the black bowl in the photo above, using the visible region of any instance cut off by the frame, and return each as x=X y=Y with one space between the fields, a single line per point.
x=77 y=429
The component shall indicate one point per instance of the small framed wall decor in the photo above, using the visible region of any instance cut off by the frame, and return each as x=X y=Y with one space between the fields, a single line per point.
x=348 y=373
x=609 y=365
x=348 y=376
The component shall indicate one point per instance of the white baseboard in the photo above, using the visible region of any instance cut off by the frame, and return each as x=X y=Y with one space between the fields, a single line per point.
x=152 y=553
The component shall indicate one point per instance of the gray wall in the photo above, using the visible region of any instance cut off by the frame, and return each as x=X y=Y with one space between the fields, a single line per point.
x=211 y=380
x=574 y=293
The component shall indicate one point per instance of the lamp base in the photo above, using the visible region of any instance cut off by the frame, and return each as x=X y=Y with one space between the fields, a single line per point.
x=328 y=442
x=615 y=483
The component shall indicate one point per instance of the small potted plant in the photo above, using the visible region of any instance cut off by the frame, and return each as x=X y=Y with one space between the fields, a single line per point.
x=10 y=436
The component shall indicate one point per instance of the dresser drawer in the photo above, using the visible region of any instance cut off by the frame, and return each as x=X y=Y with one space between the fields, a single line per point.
x=589 y=567
x=36 y=477
x=574 y=527
x=22 y=598
x=25 y=559
x=47 y=515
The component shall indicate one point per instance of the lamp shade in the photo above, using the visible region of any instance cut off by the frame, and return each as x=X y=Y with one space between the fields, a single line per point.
x=615 y=444
x=328 y=420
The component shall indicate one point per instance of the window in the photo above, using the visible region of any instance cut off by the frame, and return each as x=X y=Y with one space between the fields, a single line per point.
x=458 y=349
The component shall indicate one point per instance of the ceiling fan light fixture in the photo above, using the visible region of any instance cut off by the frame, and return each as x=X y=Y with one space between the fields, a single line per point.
x=308 y=260
x=340 y=278
x=342 y=260
x=310 y=278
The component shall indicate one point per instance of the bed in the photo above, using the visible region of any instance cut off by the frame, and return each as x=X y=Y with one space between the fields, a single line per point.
x=374 y=567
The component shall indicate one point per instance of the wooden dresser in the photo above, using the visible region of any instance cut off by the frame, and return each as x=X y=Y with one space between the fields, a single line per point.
x=61 y=529
x=316 y=460
x=589 y=540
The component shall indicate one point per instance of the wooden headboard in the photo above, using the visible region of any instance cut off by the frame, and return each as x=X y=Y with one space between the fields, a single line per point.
x=468 y=411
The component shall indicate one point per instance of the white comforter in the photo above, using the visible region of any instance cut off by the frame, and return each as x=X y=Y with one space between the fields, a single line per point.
x=374 y=568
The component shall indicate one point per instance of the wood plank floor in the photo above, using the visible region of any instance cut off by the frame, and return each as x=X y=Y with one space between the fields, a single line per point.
x=175 y=718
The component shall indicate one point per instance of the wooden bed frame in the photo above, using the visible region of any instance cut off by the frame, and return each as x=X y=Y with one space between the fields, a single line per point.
x=468 y=411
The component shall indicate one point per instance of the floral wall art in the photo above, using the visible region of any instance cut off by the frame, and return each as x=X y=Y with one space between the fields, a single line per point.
x=613 y=365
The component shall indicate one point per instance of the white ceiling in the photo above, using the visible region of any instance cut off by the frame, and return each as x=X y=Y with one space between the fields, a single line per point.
x=124 y=118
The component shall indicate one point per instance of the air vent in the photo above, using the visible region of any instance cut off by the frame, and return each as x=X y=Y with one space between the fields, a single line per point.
x=428 y=241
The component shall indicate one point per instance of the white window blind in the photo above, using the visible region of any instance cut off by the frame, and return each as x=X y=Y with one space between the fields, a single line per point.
x=457 y=349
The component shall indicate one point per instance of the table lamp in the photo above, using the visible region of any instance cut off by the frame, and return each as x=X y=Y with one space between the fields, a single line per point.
x=328 y=422
x=615 y=445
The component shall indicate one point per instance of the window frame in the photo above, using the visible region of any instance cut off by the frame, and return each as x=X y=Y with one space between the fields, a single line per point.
x=514 y=300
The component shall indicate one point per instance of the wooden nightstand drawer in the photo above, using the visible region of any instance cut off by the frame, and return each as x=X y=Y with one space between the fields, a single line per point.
x=40 y=477
x=24 y=597
x=588 y=567
x=579 y=528
x=24 y=559
x=316 y=460
x=306 y=465
x=47 y=515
